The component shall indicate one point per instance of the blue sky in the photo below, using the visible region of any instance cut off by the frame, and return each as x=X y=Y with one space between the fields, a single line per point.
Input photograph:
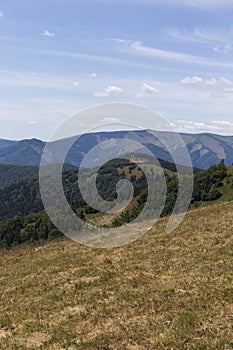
x=61 y=56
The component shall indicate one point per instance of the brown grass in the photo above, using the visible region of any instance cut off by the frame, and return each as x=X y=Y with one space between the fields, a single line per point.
x=161 y=292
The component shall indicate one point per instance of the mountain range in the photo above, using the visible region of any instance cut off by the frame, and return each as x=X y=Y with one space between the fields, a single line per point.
x=204 y=149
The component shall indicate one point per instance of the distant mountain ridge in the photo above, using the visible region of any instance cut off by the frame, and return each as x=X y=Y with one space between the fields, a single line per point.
x=6 y=143
x=25 y=152
x=204 y=149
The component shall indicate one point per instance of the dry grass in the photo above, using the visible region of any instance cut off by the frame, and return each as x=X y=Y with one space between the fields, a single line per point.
x=161 y=292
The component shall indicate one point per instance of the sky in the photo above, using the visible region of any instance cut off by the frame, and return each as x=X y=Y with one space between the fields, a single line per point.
x=58 y=57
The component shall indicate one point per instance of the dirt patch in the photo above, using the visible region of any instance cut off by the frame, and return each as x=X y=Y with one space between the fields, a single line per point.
x=89 y=279
x=4 y=334
x=36 y=339
x=73 y=310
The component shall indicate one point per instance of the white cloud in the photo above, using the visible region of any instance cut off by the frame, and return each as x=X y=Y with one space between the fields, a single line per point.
x=210 y=36
x=214 y=126
x=220 y=40
x=213 y=82
x=149 y=89
x=111 y=120
x=138 y=96
x=138 y=48
x=93 y=75
x=188 y=124
x=225 y=48
x=48 y=34
x=110 y=91
x=226 y=81
x=191 y=80
x=76 y=84
x=1 y=14
x=229 y=90
x=222 y=123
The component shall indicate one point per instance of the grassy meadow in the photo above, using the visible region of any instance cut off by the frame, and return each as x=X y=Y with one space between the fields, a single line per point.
x=161 y=292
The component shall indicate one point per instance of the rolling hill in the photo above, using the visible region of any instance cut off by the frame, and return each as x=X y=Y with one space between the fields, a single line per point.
x=22 y=218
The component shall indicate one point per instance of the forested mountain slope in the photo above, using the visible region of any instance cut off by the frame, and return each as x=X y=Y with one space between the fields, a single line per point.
x=204 y=149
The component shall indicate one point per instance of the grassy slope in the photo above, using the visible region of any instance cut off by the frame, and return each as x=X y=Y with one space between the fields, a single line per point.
x=161 y=292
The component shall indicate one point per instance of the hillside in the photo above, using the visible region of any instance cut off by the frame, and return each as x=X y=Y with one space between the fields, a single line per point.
x=19 y=185
x=13 y=174
x=22 y=218
x=161 y=292
x=205 y=149
x=25 y=152
x=6 y=143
